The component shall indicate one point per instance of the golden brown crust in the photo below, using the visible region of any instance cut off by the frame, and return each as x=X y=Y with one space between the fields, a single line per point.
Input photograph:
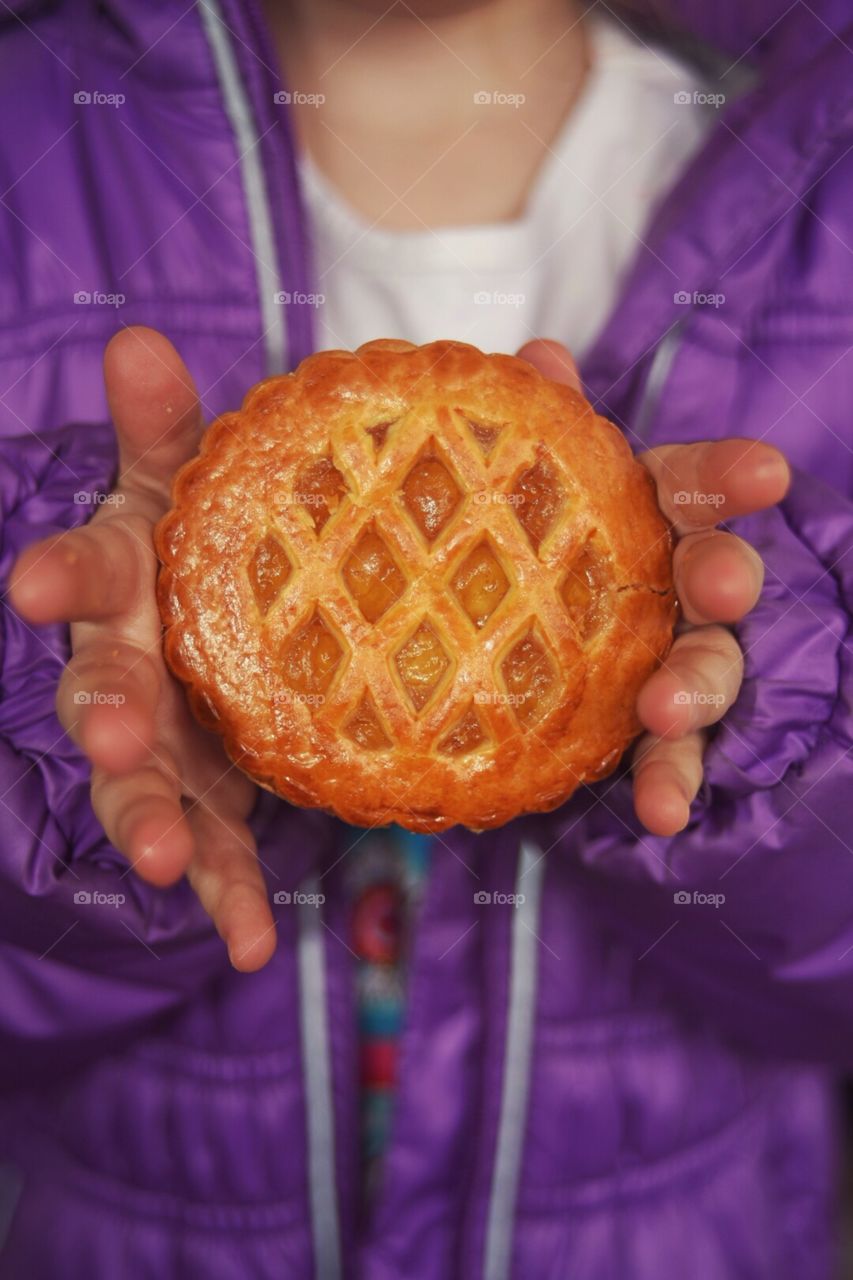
x=416 y=584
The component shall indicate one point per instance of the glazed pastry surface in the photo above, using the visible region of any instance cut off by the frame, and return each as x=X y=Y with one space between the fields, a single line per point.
x=420 y=585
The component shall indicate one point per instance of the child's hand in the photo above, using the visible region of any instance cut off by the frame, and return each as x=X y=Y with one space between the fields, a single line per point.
x=162 y=787
x=718 y=579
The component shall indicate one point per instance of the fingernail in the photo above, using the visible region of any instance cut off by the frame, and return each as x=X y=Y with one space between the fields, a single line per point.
x=772 y=469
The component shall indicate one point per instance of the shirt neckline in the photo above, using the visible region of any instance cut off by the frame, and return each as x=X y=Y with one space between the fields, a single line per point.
x=605 y=95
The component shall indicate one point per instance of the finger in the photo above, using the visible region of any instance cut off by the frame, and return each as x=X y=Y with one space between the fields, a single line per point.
x=718 y=577
x=105 y=702
x=226 y=875
x=142 y=815
x=88 y=574
x=701 y=484
x=155 y=408
x=553 y=360
x=667 y=776
x=696 y=685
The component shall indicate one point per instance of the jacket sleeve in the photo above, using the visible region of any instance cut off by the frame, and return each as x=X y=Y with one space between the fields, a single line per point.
x=89 y=952
x=749 y=911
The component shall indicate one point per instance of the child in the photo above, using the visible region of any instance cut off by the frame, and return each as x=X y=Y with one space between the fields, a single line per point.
x=629 y=1073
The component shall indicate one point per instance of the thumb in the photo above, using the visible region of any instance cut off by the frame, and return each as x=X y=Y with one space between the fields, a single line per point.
x=553 y=360
x=154 y=405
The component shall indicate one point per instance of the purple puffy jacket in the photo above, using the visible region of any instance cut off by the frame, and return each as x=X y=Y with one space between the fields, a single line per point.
x=602 y=1084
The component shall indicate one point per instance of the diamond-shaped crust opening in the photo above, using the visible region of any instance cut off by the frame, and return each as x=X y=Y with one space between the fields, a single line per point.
x=269 y=570
x=310 y=658
x=431 y=494
x=379 y=433
x=582 y=590
x=467 y=735
x=422 y=662
x=480 y=584
x=372 y=576
x=319 y=489
x=530 y=679
x=485 y=433
x=539 y=497
x=365 y=728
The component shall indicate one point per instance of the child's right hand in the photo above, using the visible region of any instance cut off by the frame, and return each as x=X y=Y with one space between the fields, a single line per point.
x=162 y=787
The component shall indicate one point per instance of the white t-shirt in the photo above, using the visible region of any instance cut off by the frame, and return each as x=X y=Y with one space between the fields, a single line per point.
x=553 y=272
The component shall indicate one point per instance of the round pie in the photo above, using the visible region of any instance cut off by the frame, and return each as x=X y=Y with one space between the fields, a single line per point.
x=420 y=585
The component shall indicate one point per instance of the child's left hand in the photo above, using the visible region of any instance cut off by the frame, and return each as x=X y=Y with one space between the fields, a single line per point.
x=718 y=579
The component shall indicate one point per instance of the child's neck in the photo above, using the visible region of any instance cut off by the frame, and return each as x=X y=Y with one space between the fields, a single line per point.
x=400 y=132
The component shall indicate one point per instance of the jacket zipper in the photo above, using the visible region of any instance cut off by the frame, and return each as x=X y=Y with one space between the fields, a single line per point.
x=317 y=1082
x=659 y=371
x=247 y=139
x=517 y=1054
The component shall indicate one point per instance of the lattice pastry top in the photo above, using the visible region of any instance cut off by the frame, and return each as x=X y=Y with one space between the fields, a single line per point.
x=416 y=584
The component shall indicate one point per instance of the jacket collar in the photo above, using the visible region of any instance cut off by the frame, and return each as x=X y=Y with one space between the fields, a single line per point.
x=750 y=30
x=765 y=153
